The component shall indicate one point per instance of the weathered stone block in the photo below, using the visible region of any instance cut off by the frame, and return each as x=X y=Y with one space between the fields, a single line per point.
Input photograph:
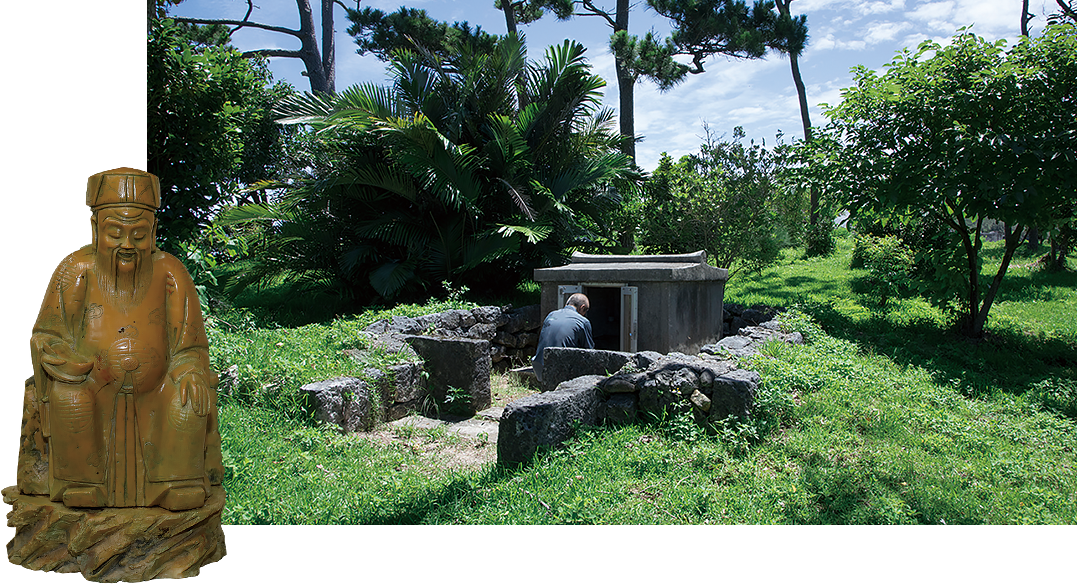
x=657 y=399
x=565 y=363
x=619 y=409
x=548 y=418
x=456 y=363
x=485 y=331
x=408 y=382
x=700 y=401
x=405 y=325
x=645 y=359
x=622 y=383
x=347 y=403
x=733 y=394
x=523 y=319
x=527 y=339
x=681 y=380
x=325 y=402
x=486 y=315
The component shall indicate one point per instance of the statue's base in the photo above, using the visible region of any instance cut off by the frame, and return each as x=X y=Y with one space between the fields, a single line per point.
x=114 y=544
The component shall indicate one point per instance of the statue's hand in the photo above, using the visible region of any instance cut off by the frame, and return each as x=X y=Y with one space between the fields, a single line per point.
x=193 y=388
x=62 y=364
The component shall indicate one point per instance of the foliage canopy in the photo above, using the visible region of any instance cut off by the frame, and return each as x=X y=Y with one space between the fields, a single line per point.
x=210 y=126
x=730 y=199
x=457 y=172
x=957 y=135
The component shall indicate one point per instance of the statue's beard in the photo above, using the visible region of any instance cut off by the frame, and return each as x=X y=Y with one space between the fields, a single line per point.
x=124 y=290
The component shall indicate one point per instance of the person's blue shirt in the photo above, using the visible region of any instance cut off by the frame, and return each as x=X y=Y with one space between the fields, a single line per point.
x=562 y=328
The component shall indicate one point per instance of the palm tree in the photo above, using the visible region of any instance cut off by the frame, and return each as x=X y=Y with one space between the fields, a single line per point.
x=456 y=172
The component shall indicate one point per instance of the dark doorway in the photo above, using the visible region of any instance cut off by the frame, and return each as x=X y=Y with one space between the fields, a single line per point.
x=605 y=316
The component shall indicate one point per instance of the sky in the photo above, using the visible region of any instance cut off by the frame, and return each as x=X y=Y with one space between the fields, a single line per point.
x=756 y=94
x=87 y=65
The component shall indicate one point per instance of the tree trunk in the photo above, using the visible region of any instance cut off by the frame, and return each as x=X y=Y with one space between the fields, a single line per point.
x=1034 y=238
x=1012 y=241
x=329 y=50
x=805 y=120
x=1025 y=17
x=626 y=84
x=972 y=303
x=805 y=117
x=308 y=50
x=510 y=16
x=320 y=68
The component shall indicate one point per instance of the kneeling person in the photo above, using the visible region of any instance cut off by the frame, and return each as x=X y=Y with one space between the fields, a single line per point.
x=567 y=327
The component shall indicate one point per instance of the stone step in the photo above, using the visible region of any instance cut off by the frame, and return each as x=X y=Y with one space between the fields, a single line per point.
x=471 y=428
x=493 y=413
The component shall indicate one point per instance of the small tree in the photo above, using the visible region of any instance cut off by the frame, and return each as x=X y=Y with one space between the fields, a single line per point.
x=958 y=135
x=728 y=200
x=210 y=127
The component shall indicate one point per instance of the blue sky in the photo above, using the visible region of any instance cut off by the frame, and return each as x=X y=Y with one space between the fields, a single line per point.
x=87 y=66
x=755 y=94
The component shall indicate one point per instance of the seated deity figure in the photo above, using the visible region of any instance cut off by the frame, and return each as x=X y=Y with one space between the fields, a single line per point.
x=121 y=364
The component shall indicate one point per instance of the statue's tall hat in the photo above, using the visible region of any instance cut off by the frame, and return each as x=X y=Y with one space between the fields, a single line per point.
x=123 y=187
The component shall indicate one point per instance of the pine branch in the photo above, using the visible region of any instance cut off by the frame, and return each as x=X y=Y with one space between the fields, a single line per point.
x=595 y=11
x=272 y=53
x=238 y=24
x=246 y=17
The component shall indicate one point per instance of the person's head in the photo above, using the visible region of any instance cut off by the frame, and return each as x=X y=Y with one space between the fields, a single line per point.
x=579 y=302
x=124 y=223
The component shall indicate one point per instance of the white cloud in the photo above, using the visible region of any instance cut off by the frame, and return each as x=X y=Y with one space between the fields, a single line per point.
x=810 y=6
x=930 y=11
x=879 y=32
x=831 y=42
x=880 y=7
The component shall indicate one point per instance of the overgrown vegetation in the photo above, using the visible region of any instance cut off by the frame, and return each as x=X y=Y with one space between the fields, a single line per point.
x=470 y=168
x=886 y=416
x=992 y=126
x=733 y=200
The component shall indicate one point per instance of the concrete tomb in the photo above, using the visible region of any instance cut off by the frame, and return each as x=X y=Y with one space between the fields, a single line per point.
x=663 y=303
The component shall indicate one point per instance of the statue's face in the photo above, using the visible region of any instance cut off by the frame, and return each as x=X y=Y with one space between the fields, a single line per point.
x=125 y=236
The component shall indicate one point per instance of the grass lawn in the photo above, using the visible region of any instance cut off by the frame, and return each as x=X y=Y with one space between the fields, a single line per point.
x=884 y=417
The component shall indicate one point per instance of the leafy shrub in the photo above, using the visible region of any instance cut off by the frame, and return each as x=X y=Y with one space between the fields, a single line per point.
x=819 y=239
x=472 y=169
x=729 y=200
x=889 y=263
x=801 y=322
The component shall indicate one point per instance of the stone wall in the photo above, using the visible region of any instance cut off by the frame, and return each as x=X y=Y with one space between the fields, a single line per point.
x=735 y=316
x=646 y=385
x=512 y=333
x=359 y=404
x=450 y=350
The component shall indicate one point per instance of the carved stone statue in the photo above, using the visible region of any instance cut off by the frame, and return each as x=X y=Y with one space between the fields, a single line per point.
x=121 y=410
x=120 y=464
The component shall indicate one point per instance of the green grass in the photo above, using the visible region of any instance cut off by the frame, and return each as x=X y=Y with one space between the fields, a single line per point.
x=885 y=417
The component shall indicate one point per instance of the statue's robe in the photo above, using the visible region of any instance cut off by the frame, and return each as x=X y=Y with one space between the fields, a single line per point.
x=123 y=428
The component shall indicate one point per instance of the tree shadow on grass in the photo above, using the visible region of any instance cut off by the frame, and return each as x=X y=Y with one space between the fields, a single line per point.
x=439 y=506
x=1003 y=361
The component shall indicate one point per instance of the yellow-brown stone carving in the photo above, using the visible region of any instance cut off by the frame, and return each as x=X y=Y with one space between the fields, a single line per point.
x=121 y=409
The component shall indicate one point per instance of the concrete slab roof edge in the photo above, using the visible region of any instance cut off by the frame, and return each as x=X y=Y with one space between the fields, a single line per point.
x=621 y=268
